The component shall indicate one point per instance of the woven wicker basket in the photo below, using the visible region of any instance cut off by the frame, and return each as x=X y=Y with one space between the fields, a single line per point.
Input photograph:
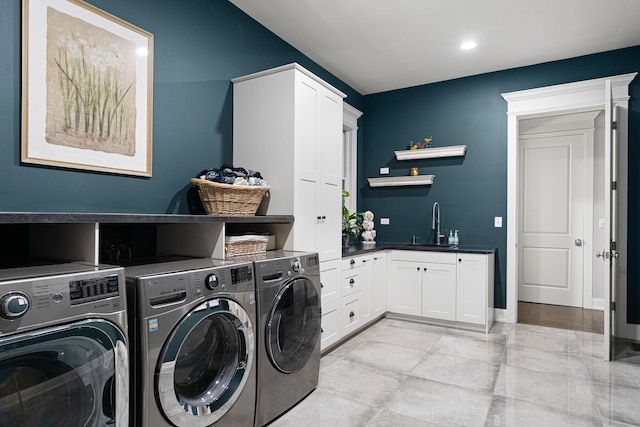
x=227 y=199
x=244 y=245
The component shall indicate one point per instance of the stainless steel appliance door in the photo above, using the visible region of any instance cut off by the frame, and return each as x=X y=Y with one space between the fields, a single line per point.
x=73 y=375
x=293 y=325
x=205 y=363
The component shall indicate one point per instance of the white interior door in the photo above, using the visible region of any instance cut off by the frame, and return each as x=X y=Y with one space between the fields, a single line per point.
x=552 y=218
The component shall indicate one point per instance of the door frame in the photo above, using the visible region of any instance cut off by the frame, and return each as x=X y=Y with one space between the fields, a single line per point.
x=558 y=99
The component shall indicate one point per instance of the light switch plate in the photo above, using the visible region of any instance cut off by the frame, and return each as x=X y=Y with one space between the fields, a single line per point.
x=497 y=222
x=384 y=171
x=384 y=221
x=602 y=223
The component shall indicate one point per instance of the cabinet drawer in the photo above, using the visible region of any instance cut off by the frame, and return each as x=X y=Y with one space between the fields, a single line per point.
x=331 y=327
x=350 y=283
x=424 y=256
x=352 y=263
x=351 y=319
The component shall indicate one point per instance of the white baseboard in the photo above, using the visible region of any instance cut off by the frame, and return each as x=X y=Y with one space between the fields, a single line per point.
x=597 y=304
x=500 y=315
x=631 y=331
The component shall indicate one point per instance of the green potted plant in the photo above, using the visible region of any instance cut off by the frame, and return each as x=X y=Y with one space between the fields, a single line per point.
x=351 y=222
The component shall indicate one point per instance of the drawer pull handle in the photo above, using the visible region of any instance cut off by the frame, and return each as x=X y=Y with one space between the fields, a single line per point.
x=352 y=314
x=418 y=268
x=352 y=262
x=322 y=330
x=321 y=285
x=351 y=282
x=425 y=269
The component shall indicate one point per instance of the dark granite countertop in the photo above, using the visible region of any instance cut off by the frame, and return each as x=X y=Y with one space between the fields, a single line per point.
x=363 y=248
x=72 y=217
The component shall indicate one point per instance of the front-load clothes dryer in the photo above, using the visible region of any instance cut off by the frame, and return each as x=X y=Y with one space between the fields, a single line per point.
x=289 y=318
x=193 y=341
x=63 y=346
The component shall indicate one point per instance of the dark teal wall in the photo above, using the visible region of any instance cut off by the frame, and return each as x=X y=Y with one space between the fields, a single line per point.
x=199 y=46
x=473 y=190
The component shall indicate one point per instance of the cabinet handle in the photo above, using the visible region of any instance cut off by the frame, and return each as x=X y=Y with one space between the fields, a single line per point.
x=364 y=260
x=318 y=217
x=352 y=281
x=352 y=314
x=459 y=259
x=418 y=268
x=322 y=330
x=324 y=217
x=425 y=269
x=353 y=261
x=321 y=285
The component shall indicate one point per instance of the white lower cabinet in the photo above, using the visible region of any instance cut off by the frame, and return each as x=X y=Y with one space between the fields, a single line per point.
x=361 y=295
x=454 y=287
x=379 y=281
x=330 y=275
x=331 y=330
x=474 y=303
x=423 y=284
x=439 y=290
x=405 y=292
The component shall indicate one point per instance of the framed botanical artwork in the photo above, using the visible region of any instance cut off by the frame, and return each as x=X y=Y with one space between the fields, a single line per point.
x=86 y=89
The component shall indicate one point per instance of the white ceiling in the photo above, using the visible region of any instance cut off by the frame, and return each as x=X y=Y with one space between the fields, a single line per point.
x=380 y=45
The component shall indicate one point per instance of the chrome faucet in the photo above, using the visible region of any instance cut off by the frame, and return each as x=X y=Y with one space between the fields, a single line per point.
x=435 y=221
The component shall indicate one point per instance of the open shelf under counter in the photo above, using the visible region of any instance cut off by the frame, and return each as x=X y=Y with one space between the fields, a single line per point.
x=431 y=153
x=401 y=181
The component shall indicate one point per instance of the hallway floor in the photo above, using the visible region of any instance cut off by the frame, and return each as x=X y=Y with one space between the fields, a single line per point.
x=399 y=373
x=558 y=316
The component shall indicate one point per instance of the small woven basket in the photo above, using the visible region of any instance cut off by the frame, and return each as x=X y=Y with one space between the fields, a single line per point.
x=227 y=199
x=244 y=245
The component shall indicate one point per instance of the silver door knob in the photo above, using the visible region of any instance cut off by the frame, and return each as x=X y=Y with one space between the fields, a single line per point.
x=578 y=242
x=599 y=254
x=615 y=255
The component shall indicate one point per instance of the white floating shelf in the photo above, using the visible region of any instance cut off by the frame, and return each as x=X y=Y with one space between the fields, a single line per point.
x=431 y=153
x=399 y=181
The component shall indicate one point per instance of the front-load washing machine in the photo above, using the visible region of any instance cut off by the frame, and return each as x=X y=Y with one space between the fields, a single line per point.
x=193 y=342
x=63 y=346
x=289 y=318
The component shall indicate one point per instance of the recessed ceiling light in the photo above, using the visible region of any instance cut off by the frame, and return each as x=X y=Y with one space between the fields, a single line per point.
x=468 y=45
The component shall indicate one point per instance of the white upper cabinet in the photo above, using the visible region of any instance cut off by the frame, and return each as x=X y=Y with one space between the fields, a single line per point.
x=287 y=124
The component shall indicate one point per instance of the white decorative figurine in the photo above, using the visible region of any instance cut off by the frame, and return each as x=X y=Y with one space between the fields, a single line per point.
x=369 y=234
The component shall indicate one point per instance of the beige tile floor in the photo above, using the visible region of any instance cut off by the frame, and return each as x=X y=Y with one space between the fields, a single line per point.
x=399 y=373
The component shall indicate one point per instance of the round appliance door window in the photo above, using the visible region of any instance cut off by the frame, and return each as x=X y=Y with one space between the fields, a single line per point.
x=206 y=363
x=63 y=377
x=293 y=325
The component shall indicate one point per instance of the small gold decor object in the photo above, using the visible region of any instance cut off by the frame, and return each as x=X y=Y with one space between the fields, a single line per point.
x=414 y=171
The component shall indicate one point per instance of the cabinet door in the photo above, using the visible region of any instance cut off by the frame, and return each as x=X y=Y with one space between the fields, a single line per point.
x=379 y=284
x=405 y=291
x=331 y=330
x=330 y=281
x=439 y=291
x=328 y=233
x=307 y=222
x=472 y=285
x=366 y=296
x=329 y=139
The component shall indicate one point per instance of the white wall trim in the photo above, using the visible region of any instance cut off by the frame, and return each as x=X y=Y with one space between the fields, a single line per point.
x=350 y=116
x=580 y=96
